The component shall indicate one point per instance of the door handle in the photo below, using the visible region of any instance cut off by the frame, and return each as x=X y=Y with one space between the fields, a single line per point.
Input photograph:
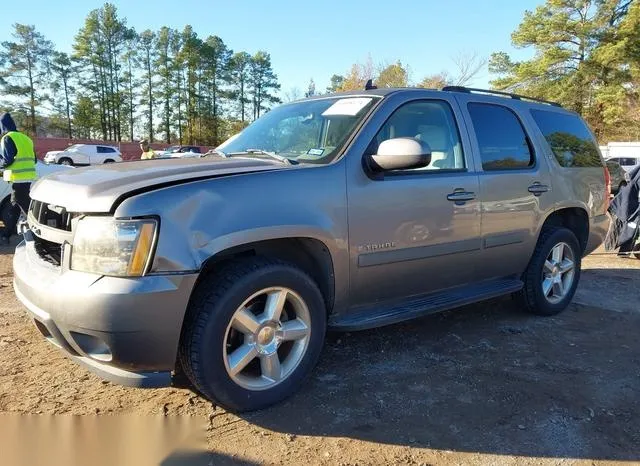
x=461 y=196
x=537 y=188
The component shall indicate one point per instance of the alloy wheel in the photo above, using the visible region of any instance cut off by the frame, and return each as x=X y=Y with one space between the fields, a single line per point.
x=266 y=338
x=558 y=273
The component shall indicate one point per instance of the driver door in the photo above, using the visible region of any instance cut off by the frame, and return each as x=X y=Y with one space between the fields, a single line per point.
x=416 y=231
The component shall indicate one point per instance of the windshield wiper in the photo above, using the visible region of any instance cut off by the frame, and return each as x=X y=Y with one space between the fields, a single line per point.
x=218 y=151
x=273 y=155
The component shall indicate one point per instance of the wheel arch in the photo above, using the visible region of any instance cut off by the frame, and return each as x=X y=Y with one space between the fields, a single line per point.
x=576 y=219
x=310 y=254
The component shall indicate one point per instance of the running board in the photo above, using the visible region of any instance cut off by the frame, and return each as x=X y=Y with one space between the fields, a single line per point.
x=378 y=315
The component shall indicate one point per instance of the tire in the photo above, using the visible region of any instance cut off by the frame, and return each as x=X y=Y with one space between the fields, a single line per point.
x=532 y=296
x=209 y=339
x=6 y=211
x=108 y=161
x=66 y=161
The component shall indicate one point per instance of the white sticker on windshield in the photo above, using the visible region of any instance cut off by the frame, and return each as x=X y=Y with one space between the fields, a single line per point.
x=315 y=151
x=347 y=107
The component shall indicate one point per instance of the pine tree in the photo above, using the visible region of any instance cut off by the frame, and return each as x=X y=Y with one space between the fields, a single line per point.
x=240 y=74
x=263 y=82
x=64 y=71
x=147 y=57
x=25 y=76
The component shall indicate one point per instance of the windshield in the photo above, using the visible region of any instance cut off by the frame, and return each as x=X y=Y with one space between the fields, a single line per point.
x=308 y=131
x=172 y=148
x=73 y=148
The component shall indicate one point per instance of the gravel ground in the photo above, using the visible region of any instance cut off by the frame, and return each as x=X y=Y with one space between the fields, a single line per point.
x=485 y=384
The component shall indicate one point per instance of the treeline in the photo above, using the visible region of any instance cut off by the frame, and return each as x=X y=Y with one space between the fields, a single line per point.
x=120 y=84
x=586 y=56
x=465 y=67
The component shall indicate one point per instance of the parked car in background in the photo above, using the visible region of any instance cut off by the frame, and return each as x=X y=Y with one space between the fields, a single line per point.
x=628 y=163
x=178 y=152
x=619 y=176
x=341 y=212
x=5 y=188
x=84 y=154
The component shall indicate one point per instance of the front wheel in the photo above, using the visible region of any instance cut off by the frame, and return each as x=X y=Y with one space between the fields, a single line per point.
x=253 y=333
x=552 y=276
x=66 y=161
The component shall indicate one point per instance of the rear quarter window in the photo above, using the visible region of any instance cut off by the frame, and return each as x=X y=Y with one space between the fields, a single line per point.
x=569 y=138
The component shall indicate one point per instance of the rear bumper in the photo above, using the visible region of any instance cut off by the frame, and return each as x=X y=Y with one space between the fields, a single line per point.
x=124 y=330
x=597 y=232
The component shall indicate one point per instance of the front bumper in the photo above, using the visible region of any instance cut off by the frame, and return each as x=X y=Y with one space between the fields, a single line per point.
x=125 y=330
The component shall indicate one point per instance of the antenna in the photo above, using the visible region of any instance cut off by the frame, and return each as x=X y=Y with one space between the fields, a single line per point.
x=369 y=85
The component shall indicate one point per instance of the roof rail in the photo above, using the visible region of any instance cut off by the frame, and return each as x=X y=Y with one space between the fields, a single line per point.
x=500 y=93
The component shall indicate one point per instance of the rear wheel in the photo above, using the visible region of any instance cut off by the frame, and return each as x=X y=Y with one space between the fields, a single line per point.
x=66 y=161
x=552 y=276
x=253 y=333
x=108 y=161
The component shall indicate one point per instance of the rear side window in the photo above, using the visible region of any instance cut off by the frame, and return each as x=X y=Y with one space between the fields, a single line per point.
x=628 y=162
x=569 y=138
x=503 y=143
x=105 y=150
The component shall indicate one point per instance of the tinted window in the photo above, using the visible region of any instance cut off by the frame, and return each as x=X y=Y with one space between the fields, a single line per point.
x=501 y=138
x=569 y=139
x=105 y=150
x=430 y=121
x=628 y=162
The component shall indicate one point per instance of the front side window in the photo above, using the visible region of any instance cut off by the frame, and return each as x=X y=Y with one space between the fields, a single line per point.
x=431 y=121
x=570 y=140
x=310 y=131
x=501 y=138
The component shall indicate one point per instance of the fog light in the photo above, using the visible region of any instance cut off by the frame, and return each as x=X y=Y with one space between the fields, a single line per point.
x=92 y=346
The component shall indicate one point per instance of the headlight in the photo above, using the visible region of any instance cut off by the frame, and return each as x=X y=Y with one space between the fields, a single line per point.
x=107 y=246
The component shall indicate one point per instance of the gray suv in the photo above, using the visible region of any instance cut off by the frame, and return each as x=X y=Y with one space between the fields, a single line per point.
x=343 y=212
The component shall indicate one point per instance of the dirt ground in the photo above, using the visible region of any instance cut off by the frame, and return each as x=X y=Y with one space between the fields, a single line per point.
x=486 y=384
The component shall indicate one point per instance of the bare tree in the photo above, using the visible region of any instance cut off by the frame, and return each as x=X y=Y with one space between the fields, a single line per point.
x=468 y=65
x=294 y=93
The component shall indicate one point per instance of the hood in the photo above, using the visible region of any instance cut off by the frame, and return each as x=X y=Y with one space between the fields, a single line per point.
x=6 y=123
x=96 y=189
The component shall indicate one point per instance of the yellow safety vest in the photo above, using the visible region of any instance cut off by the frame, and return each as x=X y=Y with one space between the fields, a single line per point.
x=23 y=168
x=150 y=154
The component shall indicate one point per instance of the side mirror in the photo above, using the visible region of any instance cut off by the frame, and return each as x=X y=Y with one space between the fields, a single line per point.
x=401 y=154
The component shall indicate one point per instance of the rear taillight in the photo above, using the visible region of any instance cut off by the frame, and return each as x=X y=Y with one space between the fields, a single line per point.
x=607 y=189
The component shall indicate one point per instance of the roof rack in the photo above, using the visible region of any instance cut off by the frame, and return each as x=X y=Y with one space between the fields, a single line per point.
x=500 y=93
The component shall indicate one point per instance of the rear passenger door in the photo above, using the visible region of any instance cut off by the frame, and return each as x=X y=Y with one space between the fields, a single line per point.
x=515 y=184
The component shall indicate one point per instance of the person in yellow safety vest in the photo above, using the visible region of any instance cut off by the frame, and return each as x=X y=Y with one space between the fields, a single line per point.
x=147 y=152
x=18 y=165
